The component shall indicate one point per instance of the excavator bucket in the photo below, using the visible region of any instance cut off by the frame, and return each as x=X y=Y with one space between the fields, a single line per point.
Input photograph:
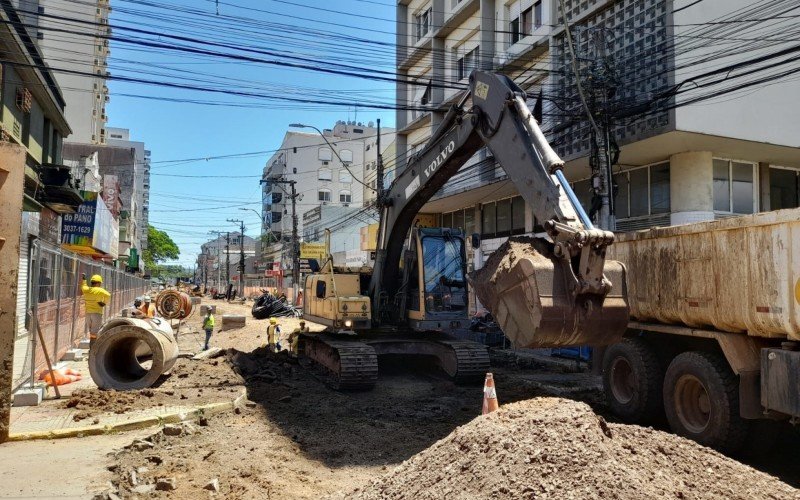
x=527 y=290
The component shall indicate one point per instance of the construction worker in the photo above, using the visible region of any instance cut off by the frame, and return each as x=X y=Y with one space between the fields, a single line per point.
x=208 y=326
x=294 y=337
x=273 y=335
x=148 y=308
x=95 y=298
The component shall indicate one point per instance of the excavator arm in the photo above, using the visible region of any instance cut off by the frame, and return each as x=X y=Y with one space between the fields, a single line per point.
x=499 y=119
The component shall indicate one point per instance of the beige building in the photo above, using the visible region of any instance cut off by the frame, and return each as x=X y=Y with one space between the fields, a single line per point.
x=686 y=154
x=85 y=51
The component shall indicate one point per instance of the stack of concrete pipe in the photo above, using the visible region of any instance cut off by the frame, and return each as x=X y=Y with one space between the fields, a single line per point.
x=123 y=348
x=173 y=304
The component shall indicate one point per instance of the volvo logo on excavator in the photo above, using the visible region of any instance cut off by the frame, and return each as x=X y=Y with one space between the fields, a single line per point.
x=430 y=169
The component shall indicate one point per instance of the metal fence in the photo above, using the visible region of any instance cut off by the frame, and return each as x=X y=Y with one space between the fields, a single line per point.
x=56 y=305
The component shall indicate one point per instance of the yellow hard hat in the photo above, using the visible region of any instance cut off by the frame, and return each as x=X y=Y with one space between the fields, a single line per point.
x=272 y=321
x=96 y=278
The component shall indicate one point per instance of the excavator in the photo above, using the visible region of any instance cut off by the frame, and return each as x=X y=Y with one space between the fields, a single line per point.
x=415 y=296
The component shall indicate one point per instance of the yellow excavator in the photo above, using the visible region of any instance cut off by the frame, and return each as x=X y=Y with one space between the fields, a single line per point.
x=416 y=295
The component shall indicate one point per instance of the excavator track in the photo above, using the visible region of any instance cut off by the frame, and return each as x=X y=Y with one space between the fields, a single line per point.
x=472 y=361
x=348 y=365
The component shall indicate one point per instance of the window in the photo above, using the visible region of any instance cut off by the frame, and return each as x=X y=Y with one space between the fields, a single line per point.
x=325 y=154
x=500 y=218
x=513 y=29
x=526 y=22
x=345 y=197
x=325 y=174
x=734 y=186
x=324 y=195
x=537 y=14
x=642 y=192
x=784 y=191
x=422 y=22
x=345 y=177
x=468 y=63
x=346 y=155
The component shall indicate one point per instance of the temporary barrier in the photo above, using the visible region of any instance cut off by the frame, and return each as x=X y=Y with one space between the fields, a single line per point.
x=56 y=302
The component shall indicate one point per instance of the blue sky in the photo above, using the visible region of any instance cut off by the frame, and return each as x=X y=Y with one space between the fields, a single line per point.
x=188 y=207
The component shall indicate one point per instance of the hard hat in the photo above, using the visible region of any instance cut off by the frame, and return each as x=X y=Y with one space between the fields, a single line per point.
x=96 y=279
x=272 y=321
x=147 y=298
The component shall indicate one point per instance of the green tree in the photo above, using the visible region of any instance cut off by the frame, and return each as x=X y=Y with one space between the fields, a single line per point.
x=160 y=247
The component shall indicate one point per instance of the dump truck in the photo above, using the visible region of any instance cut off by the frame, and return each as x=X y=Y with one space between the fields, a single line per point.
x=416 y=295
x=714 y=336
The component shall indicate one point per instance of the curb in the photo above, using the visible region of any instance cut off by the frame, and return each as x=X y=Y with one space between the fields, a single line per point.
x=133 y=424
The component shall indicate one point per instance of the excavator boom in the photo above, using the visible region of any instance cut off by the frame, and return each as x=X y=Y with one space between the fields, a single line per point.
x=570 y=277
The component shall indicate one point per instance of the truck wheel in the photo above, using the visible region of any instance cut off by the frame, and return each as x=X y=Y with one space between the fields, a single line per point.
x=701 y=400
x=632 y=379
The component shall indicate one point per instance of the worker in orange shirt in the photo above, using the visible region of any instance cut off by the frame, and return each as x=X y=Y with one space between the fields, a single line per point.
x=95 y=298
x=148 y=308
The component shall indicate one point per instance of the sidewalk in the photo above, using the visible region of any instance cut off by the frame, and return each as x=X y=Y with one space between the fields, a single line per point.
x=51 y=420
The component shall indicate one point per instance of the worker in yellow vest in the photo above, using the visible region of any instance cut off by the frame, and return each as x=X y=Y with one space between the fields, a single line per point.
x=294 y=338
x=95 y=298
x=273 y=334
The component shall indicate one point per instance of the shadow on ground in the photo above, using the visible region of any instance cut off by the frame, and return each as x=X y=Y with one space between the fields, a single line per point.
x=412 y=406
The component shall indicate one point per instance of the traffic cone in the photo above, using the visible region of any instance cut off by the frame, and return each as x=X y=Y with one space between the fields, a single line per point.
x=489 y=395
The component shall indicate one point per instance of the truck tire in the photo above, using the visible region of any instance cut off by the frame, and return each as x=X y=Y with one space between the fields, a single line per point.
x=701 y=400
x=632 y=379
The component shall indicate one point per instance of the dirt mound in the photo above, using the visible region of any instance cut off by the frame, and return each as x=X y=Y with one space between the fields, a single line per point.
x=110 y=401
x=190 y=383
x=556 y=448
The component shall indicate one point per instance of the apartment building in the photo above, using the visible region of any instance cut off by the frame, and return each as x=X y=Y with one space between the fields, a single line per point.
x=328 y=171
x=79 y=59
x=693 y=145
x=32 y=116
x=121 y=137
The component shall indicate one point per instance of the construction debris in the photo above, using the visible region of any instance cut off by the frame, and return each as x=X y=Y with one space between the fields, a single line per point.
x=557 y=448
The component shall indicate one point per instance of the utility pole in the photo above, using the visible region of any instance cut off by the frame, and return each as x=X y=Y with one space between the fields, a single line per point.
x=241 y=255
x=595 y=104
x=379 y=171
x=295 y=236
x=227 y=260
x=219 y=257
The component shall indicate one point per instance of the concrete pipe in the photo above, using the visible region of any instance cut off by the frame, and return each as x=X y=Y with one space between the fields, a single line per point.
x=132 y=353
x=173 y=304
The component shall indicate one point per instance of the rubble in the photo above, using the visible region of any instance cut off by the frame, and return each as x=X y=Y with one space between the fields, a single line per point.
x=166 y=484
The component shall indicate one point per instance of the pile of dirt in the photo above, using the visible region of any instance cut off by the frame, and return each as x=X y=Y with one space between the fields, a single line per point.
x=91 y=401
x=190 y=383
x=556 y=448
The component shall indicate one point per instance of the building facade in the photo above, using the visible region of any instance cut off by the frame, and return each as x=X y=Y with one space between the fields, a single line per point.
x=328 y=172
x=220 y=252
x=699 y=134
x=121 y=137
x=79 y=59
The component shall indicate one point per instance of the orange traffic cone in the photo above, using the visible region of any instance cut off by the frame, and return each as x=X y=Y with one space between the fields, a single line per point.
x=489 y=395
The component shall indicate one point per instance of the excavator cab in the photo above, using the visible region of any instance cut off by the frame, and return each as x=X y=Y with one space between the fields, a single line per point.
x=434 y=280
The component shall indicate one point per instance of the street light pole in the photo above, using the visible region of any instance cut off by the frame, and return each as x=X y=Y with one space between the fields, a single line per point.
x=241 y=255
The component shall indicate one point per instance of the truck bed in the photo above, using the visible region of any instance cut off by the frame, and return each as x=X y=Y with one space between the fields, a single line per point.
x=740 y=274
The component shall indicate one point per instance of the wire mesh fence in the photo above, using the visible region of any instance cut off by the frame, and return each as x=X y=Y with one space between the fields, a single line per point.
x=56 y=306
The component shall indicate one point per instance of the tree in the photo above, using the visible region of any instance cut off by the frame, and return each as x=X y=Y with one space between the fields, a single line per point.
x=160 y=247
